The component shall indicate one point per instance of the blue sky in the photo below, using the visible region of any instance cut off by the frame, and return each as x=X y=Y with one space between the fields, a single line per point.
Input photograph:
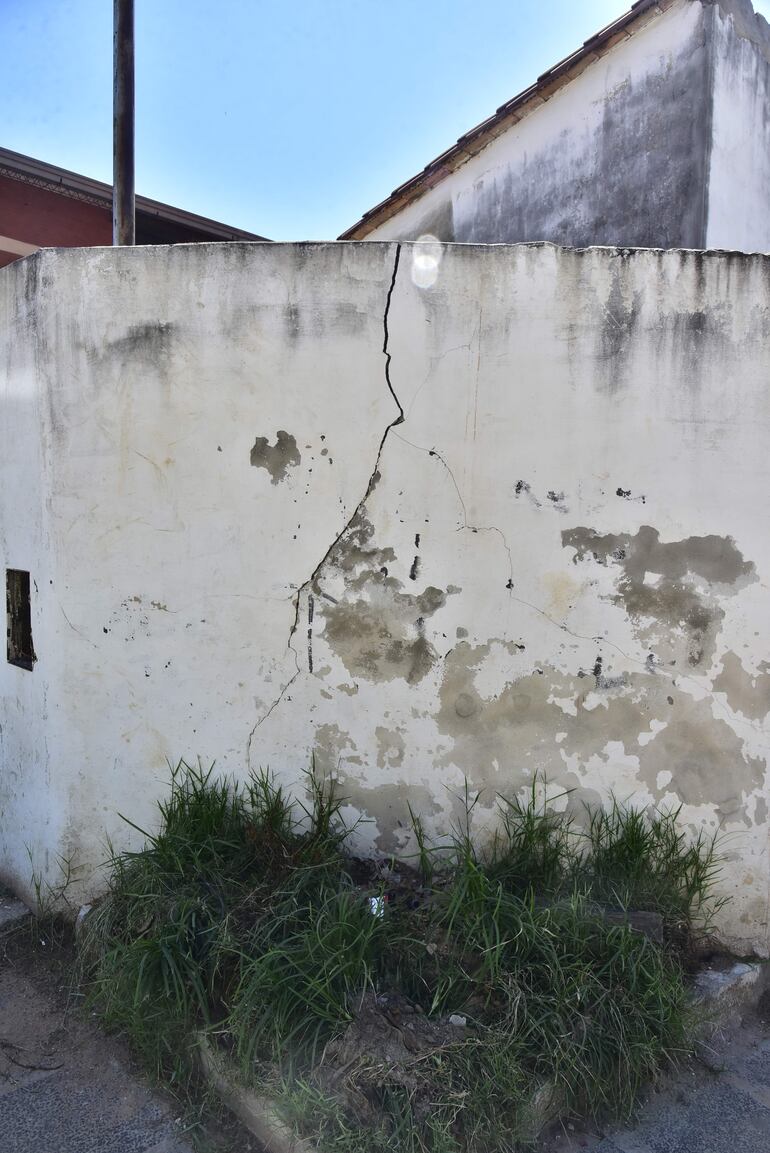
x=289 y=118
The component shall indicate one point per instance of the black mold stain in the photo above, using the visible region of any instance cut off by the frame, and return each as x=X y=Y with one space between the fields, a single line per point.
x=523 y=488
x=625 y=494
x=144 y=342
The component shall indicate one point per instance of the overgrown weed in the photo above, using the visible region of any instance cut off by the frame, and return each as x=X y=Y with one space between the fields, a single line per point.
x=242 y=917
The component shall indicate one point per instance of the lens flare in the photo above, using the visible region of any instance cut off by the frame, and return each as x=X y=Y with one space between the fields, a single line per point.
x=426 y=258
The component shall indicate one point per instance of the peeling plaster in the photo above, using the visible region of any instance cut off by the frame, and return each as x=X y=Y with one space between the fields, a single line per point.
x=523 y=728
x=747 y=693
x=670 y=584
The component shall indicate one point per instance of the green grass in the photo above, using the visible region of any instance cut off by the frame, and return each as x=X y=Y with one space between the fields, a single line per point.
x=241 y=916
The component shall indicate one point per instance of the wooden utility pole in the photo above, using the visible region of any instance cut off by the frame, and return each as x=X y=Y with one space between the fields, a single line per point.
x=123 y=212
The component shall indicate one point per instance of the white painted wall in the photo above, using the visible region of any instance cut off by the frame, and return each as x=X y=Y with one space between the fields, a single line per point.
x=535 y=383
x=33 y=793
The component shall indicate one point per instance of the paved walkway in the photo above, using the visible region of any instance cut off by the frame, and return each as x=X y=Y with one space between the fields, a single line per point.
x=722 y=1109
x=64 y=1086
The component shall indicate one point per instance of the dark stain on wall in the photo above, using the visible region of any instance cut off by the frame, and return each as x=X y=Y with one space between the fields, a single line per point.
x=438 y=222
x=277 y=458
x=379 y=636
x=659 y=580
x=639 y=181
x=144 y=342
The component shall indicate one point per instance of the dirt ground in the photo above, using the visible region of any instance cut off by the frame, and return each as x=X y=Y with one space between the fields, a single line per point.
x=67 y=1087
x=717 y=1104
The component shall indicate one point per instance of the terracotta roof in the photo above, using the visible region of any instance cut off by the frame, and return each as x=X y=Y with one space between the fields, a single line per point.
x=507 y=114
x=72 y=184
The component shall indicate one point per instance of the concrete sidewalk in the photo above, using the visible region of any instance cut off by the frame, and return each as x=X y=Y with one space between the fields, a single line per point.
x=64 y=1086
x=721 y=1109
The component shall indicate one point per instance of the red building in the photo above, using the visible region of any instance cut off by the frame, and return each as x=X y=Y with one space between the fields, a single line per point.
x=42 y=206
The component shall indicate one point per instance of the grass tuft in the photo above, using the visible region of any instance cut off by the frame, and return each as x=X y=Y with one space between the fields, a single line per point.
x=244 y=915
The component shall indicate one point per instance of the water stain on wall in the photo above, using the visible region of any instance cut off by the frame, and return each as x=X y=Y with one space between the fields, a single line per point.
x=277 y=458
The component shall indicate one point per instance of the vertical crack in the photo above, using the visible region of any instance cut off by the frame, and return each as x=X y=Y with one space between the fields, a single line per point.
x=375 y=473
x=374 y=476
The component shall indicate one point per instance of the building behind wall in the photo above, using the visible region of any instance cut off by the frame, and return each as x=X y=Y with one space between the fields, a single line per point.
x=655 y=134
x=42 y=206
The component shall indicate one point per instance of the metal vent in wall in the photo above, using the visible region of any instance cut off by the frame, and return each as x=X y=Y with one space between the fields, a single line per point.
x=21 y=651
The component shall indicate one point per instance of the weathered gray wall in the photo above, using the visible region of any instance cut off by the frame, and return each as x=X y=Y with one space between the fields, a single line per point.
x=435 y=514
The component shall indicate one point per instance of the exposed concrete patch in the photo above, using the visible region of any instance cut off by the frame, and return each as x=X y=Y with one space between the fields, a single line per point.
x=377 y=631
x=663 y=582
x=705 y=756
x=391 y=747
x=330 y=744
x=383 y=638
x=277 y=458
x=539 y=721
x=356 y=553
x=747 y=693
x=386 y=807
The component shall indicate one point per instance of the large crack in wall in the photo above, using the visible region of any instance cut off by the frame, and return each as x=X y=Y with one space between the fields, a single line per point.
x=310 y=585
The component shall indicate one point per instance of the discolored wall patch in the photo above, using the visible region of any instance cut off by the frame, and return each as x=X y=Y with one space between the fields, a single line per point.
x=276 y=458
x=662 y=584
x=387 y=807
x=376 y=630
x=747 y=693
x=391 y=747
x=546 y=721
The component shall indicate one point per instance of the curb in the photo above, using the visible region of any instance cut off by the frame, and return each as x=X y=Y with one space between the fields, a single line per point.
x=722 y=996
x=726 y=995
x=258 y=1114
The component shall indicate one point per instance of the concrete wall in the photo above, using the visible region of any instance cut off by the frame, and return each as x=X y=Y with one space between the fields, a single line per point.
x=472 y=512
x=617 y=156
